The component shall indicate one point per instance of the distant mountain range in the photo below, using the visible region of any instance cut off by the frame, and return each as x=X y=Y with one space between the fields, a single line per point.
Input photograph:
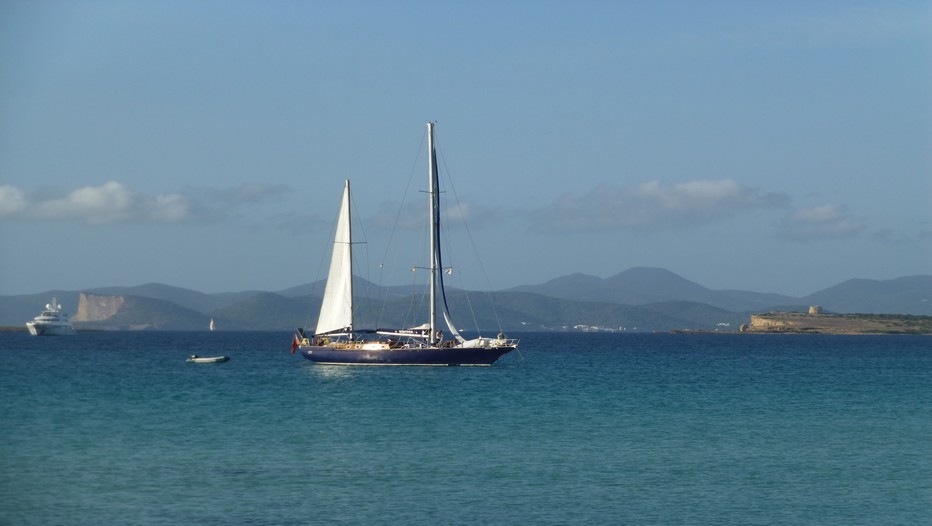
x=636 y=299
x=643 y=285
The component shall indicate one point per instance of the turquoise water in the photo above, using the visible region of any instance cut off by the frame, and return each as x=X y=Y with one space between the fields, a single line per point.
x=115 y=428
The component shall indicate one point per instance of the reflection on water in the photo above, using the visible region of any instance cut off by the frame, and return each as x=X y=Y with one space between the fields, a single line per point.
x=331 y=372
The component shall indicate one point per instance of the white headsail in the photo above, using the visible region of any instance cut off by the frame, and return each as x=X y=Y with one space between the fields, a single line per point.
x=336 y=311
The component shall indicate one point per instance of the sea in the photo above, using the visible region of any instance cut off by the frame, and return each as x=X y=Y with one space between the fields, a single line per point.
x=576 y=428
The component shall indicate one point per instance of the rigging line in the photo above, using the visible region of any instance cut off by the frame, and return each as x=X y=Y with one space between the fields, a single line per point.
x=472 y=311
x=472 y=242
x=451 y=257
x=416 y=304
x=404 y=197
x=448 y=247
x=425 y=290
x=521 y=355
x=381 y=285
x=320 y=267
x=391 y=235
x=410 y=318
x=356 y=258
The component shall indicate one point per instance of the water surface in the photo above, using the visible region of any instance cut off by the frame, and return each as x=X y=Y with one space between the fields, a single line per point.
x=579 y=429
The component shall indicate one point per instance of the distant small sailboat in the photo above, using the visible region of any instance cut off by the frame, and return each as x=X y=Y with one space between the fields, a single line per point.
x=207 y=359
x=338 y=341
x=212 y=327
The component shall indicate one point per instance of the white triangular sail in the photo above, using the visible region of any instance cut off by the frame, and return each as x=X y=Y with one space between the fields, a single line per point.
x=336 y=311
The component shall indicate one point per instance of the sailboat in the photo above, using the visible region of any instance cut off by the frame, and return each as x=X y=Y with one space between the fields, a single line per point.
x=336 y=339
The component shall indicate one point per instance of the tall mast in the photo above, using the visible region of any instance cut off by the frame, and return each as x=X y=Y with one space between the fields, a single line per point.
x=434 y=230
x=349 y=243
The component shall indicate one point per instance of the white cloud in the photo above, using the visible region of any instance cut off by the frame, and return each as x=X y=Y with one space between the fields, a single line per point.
x=111 y=202
x=652 y=205
x=115 y=202
x=821 y=222
x=12 y=201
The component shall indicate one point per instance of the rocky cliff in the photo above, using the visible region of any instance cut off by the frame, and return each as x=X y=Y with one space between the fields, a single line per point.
x=92 y=307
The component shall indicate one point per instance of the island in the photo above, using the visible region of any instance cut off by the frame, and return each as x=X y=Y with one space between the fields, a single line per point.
x=818 y=322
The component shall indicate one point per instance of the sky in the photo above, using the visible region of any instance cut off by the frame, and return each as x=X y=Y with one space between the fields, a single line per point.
x=768 y=146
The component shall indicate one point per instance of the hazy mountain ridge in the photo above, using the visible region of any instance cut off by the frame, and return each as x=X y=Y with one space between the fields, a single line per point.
x=646 y=298
x=904 y=295
x=643 y=285
x=263 y=310
x=646 y=285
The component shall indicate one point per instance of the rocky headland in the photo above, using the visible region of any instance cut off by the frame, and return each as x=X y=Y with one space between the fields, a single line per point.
x=816 y=322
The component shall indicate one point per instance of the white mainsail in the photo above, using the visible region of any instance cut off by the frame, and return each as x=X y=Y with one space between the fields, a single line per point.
x=436 y=262
x=336 y=311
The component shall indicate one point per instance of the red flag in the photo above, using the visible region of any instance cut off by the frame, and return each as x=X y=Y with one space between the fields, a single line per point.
x=295 y=343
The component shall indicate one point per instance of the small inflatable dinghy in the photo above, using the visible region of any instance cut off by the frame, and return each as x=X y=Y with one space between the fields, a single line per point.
x=207 y=359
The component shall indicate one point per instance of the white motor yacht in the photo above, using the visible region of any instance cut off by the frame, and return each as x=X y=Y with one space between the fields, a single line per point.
x=52 y=322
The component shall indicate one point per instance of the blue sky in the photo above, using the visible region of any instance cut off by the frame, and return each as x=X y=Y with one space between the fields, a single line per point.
x=778 y=147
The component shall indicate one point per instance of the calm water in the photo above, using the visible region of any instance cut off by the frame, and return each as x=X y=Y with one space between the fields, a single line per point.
x=115 y=428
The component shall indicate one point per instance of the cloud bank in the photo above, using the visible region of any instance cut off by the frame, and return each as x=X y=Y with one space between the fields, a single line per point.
x=651 y=206
x=822 y=222
x=114 y=202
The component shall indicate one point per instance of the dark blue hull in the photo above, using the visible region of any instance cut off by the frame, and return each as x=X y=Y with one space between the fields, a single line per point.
x=414 y=356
